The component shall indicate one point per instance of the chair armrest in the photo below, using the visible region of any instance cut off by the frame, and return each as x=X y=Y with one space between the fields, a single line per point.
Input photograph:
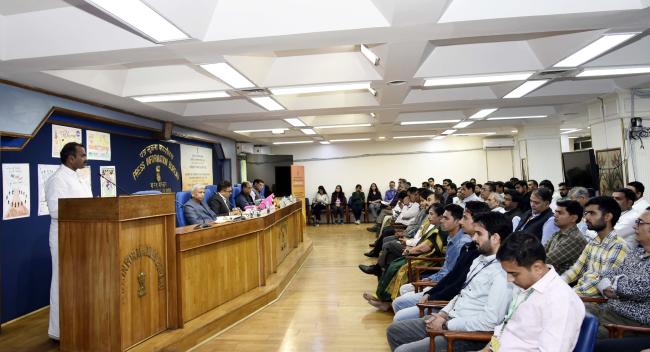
x=617 y=331
x=409 y=261
x=453 y=336
x=593 y=299
x=427 y=259
x=420 y=269
x=420 y=285
x=429 y=305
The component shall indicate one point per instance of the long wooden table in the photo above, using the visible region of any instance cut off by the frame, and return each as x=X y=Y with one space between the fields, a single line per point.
x=220 y=263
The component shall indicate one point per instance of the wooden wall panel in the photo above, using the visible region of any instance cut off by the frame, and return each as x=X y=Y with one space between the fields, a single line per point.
x=214 y=274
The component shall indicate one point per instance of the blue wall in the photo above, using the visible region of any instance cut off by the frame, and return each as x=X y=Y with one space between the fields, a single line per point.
x=24 y=250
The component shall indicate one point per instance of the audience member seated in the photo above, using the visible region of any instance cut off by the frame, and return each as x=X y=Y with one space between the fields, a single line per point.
x=320 y=202
x=522 y=188
x=511 y=201
x=532 y=185
x=499 y=187
x=539 y=219
x=357 y=202
x=549 y=185
x=196 y=211
x=566 y=245
x=625 y=225
x=428 y=242
x=388 y=210
x=244 y=198
x=390 y=193
x=220 y=201
x=459 y=256
x=480 y=306
x=258 y=189
x=338 y=204
x=563 y=189
x=545 y=314
x=627 y=287
x=638 y=188
x=374 y=201
x=451 y=194
x=486 y=190
x=466 y=193
x=602 y=254
x=581 y=195
x=496 y=201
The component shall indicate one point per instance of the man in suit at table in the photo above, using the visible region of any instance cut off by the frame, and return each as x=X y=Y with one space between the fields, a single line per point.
x=196 y=211
x=244 y=198
x=220 y=201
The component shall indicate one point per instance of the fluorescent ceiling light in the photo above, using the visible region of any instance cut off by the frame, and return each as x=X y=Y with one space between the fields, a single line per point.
x=374 y=59
x=295 y=122
x=406 y=123
x=407 y=137
x=482 y=113
x=294 y=142
x=613 y=71
x=439 y=137
x=372 y=91
x=463 y=124
x=181 y=96
x=324 y=142
x=476 y=79
x=513 y=131
x=319 y=88
x=137 y=15
x=373 y=115
x=226 y=73
x=350 y=140
x=344 y=126
x=525 y=88
x=381 y=138
x=517 y=117
x=571 y=130
x=476 y=134
x=263 y=130
x=278 y=131
x=267 y=103
x=308 y=131
x=448 y=131
x=594 y=49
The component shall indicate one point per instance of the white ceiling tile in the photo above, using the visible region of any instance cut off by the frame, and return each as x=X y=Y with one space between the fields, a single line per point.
x=449 y=94
x=222 y=107
x=584 y=86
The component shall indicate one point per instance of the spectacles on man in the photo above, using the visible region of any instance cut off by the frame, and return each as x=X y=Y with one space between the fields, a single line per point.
x=640 y=222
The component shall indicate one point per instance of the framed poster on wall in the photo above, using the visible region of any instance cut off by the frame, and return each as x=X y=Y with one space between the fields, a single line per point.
x=610 y=167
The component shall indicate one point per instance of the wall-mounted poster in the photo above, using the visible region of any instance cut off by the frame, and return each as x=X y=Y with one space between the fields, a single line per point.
x=61 y=135
x=84 y=175
x=15 y=191
x=108 y=181
x=196 y=166
x=98 y=145
x=44 y=172
x=610 y=170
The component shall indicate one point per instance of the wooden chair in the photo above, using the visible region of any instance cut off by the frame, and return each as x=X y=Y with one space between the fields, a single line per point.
x=617 y=331
x=586 y=299
x=429 y=306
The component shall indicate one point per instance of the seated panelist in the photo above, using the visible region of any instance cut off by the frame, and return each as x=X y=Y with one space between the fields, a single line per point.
x=196 y=211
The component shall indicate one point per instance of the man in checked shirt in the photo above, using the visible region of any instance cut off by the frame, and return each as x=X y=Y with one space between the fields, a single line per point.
x=604 y=253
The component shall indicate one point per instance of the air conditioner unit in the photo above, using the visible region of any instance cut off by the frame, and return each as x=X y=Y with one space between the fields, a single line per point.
x=244 y=148
x=498 y=143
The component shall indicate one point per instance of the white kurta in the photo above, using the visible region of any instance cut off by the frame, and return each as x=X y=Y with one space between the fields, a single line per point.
x=64 y=183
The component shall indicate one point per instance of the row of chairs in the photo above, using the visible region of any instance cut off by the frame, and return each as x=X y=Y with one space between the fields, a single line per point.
x=210 y=190
x=327 y=213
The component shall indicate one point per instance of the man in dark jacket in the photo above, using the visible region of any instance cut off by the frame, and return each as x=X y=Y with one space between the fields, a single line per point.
x=539 y=219
x=244 y=198
x=220 y=201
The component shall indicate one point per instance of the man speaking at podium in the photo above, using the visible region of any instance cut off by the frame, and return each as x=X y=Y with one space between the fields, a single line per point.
x=64 y=183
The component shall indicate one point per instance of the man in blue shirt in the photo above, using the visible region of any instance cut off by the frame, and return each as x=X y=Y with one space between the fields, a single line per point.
x=391 y=192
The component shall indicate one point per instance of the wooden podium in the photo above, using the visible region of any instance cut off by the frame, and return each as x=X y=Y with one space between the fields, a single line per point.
x=117 y=271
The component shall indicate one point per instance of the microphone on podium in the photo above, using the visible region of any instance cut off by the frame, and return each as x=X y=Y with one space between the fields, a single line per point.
x=114 y=184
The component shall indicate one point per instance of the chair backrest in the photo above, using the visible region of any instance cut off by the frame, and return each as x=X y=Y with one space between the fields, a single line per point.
x=588 y=330
x=139 y=193
x=210 y=190
x=181 y=199
x=236 y=189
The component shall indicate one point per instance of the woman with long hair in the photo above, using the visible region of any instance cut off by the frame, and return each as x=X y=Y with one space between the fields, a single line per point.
x=374 y=201
x=319 y=203
x=338 y=204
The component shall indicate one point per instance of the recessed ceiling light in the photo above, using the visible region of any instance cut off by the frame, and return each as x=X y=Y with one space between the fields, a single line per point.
x=295 y=122
x=571 y=130
x=308 y=131
x=406 y=123
x=476 y=134
x=439 y=137
x=267 y=103
x=517 y=117
x=382 y=137
x=463 y=124
x=374 y=59
x=229 y=75
x=294 y=142
x=324 y=142
x=262 y=130
x=372 y=91
x=350 y=140
x=373 y=115
x=344 y=126
x=594 y=49
x=614 y=71
x=514 y=131
x=181 y=96
x=408 y=137
x=482 y=113
x=449 y=132
x=278 y=131
x=476 y=79
x=525 y=88
x=319 y=88
x=137 y=15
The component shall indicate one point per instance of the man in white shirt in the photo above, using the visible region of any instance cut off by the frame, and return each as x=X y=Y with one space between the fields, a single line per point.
x=545 y=314
x=581 y=195
x=496 y=201
x=641 y=204
x=625 y=225
x=467 y=194
x=64 y=183
x=481 y=304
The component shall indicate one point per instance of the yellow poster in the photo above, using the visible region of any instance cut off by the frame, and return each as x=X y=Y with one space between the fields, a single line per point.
x=196 y=166
x=98 y=145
